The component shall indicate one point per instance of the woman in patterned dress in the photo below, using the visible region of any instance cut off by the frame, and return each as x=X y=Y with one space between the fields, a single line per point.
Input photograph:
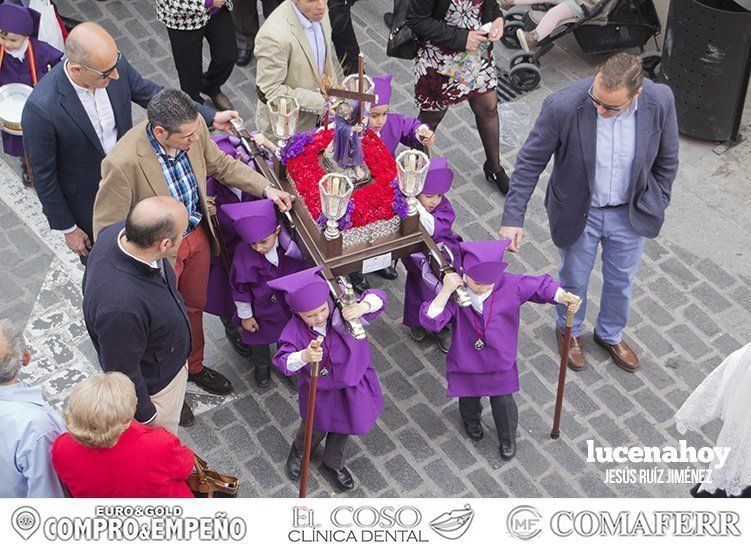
x=449 y=32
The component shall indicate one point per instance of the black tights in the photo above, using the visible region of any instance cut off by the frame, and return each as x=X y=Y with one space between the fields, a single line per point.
x=485 y=108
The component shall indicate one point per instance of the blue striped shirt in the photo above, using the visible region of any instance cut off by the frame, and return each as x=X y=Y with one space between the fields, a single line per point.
x=181 y=181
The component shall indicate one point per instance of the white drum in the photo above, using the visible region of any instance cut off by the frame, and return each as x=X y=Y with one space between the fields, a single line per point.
x=13 y=97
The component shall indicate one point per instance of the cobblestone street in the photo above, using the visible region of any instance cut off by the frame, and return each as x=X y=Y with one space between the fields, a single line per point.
x=691 y=308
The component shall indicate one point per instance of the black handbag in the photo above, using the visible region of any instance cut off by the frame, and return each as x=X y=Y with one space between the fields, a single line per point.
x=402 y=43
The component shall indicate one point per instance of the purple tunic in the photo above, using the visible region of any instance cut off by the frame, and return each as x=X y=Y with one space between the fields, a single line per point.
x=249 y=276
x=490 y=371
x=348 y=398
x=18 y=71
x=400 y=129
x=417 y=288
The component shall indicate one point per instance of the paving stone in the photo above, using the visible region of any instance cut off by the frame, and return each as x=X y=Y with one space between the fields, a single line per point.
x=426 y=418
x=457 y=453
x=709 y=296
x=444 y=478
x=612 y=398
x=678 y=272
x=367 y=474
x=700 y=320
x=377 y=441
x=402 y=472
x=714 y=273
x=416 y=445
x=485 y=484
x=688 y=340
x=265 y=473
x=239 y=442
x=518 y=483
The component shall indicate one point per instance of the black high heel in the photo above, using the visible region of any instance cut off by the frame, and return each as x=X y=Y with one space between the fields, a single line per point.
x=499 y=179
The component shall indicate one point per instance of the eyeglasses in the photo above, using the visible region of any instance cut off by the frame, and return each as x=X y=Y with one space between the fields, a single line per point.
x=106 y=73
x=606 y=107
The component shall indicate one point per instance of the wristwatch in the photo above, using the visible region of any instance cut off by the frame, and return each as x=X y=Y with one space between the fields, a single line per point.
x=269 y=186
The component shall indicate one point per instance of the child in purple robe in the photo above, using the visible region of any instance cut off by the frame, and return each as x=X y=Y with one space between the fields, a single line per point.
x=23 y=59
x=264 y=253
x=348 y=398
x=219 y=300
x=395 y=128
x=482 y=358
x=437 y=216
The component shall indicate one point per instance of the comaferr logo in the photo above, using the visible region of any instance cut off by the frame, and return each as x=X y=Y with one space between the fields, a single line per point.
x=524 y=522
x=589 y=523
x=452 y=525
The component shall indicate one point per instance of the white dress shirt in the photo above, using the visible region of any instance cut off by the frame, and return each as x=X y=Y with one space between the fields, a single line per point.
x=99 y=110
x=20 y=53
x=314 y=33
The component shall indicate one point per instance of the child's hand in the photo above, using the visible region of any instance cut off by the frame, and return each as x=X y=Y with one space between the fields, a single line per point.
x=355 y=311
x=250 y=324
x=210 y=205
x=572 y=301
x=314 y=352
x=426 y=136
x=358 y=128
x=261 y=140
x=452 y=281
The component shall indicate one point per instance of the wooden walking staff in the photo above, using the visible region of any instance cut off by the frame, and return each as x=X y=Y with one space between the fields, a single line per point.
x=314 y=368
x=555 y=433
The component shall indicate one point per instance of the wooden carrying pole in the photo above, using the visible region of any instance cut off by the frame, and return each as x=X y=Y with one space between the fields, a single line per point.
x=309 y=429
x=360 y=84
x=555 y=433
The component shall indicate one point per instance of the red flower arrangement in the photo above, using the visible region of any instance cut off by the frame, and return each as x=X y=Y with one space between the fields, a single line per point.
x=372 y=202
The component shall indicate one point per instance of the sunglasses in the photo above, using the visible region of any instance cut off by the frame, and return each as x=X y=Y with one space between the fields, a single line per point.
x=606 y=107
x=106 y=73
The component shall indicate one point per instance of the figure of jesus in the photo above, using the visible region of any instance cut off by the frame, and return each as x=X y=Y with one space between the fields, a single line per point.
x=347 y=137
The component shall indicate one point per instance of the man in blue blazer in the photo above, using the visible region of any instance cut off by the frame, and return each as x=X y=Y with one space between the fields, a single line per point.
x=615 y=142
x=73 y=119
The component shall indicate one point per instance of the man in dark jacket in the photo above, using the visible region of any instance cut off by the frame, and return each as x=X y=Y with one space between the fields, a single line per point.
x=615 y=142
x=135 y=316
x=73 y=119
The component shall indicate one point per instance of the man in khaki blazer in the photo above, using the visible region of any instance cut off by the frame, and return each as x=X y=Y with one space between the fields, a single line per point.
x=293 y=51
x=171 y=154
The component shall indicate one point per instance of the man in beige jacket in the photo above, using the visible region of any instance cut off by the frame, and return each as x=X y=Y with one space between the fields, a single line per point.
x=171 y=154
x=294 y=51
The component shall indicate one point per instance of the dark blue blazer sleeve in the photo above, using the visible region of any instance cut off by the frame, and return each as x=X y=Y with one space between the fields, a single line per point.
x=41 y=151
x=142 y=90
x=531 y=161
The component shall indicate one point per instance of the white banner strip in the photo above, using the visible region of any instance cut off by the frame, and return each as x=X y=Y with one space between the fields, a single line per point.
x=429 y=521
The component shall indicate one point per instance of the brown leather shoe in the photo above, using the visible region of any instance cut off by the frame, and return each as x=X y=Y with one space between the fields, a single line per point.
x=621 y=354
x=221 y=102
x=575 y=351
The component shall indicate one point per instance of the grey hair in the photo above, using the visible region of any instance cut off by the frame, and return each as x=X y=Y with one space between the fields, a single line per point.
x=10 y=362
x=170 y=109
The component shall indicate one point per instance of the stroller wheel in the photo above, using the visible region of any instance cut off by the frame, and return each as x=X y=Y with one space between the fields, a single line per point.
x=509 y=38
x=520 y=57
x=650 y=61
x=514 y=16
x=525 y=76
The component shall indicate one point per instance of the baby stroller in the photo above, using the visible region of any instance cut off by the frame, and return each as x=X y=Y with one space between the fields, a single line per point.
x=610 y=26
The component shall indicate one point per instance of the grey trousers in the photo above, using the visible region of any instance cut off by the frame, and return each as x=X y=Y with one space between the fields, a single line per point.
x=334 y=449
x=505 y=415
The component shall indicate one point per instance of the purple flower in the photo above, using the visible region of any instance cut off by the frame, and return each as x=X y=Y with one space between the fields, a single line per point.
x=295 y=145
x=399 y=205
x=344 y=223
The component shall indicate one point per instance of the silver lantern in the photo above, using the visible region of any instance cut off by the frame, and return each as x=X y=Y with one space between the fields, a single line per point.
x=285 y=111
x=412 y=169
x=335 y=191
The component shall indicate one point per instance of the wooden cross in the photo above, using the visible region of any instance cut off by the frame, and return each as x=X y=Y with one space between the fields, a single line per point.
x=360 y=95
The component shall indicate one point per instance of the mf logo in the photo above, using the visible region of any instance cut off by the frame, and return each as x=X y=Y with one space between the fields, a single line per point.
x=524 y=522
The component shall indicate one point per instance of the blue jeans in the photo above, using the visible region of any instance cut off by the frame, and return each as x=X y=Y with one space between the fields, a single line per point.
x=622 y=247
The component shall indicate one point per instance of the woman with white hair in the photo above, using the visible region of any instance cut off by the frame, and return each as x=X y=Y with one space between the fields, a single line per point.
x=105 y=453
x=725 y=394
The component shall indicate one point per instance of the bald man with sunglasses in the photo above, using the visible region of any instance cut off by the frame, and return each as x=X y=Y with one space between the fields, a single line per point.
x=73 y=119
x=614 y=139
